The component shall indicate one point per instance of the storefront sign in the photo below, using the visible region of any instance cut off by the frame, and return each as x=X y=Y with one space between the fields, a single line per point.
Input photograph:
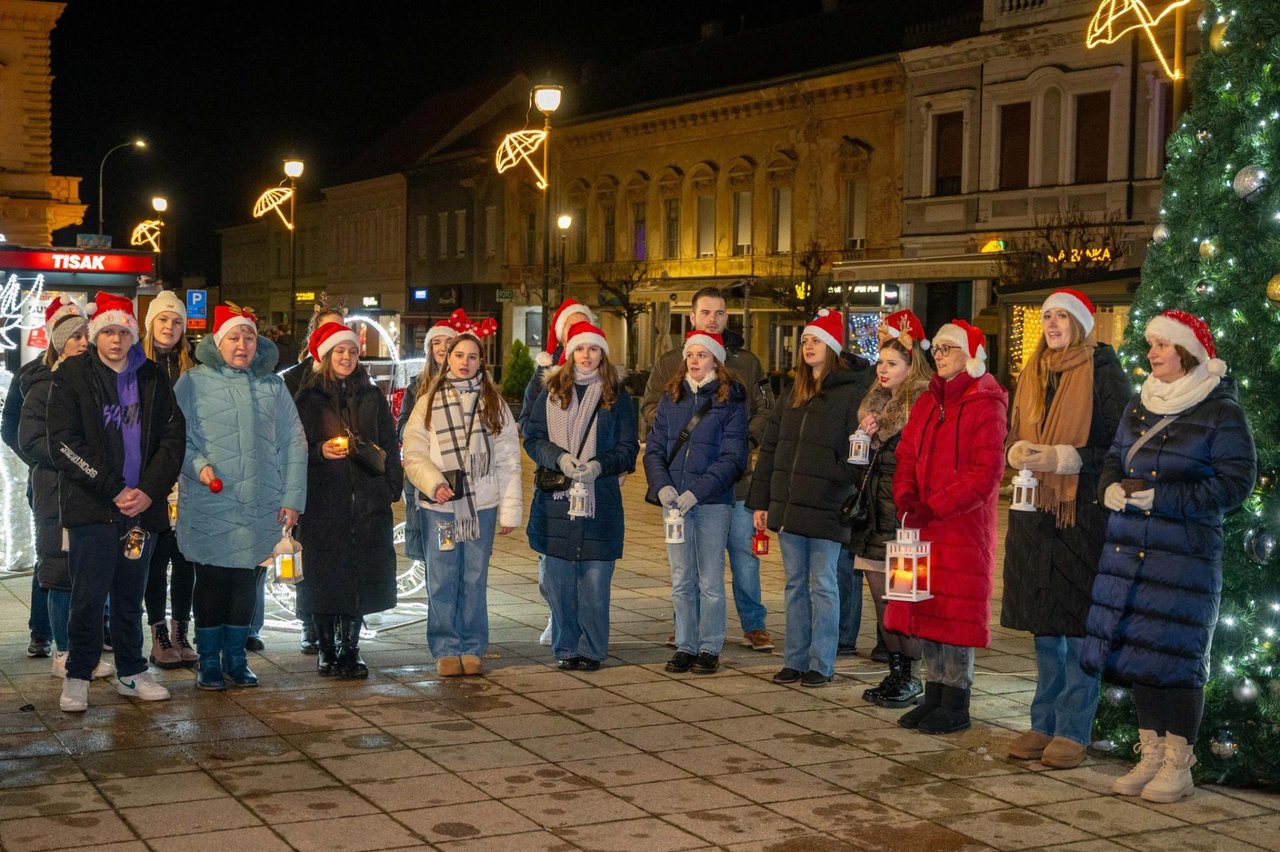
x=502 y=295
x=1081 y=255
x=66 y=261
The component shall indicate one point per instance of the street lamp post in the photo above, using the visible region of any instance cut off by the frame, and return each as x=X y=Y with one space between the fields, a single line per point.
x=160 y=204
x=565 y=222
x=293 y=170
x=133 y=143
x=547 y=99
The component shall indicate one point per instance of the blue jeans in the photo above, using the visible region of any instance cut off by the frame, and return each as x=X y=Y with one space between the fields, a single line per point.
x=38 y=621
x=1066 y=697
x=457 y=586
x=98 y=566
x=850 y=584
x=578 y=594
x=813 y=602
x=59 y=609
x=697 y=580
x=744 y=567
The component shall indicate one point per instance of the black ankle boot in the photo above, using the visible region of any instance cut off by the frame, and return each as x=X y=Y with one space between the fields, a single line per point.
x=932 y=701
x=889 y=683
x=951 y=716
x=905 y=690
x=308 y=643
x=349 y=664
x=326 y=643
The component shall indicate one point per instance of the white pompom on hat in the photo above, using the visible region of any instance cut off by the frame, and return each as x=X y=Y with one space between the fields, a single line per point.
x=1192 y=334
x=559 y=328
x=828 y=326
x=974 y=343
x=1075 y=303
x=166 y=302
x=713 y=343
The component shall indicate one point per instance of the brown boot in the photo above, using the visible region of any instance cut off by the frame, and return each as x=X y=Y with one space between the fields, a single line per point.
x=1062 y=753
x=163 y=654
x=471 y=665
x=449 y=667
x=180 y=641
x=1029 y=746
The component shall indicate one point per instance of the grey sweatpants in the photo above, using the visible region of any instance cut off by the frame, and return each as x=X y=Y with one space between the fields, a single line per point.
x=950 y=665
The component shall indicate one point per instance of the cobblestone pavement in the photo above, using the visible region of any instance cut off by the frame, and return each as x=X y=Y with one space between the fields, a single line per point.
x=528 y=757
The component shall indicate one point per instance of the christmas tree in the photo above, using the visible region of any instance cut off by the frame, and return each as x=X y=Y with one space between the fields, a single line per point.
x=1216 y=253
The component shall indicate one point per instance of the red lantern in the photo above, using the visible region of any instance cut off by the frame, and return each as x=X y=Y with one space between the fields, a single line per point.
x=760 y=543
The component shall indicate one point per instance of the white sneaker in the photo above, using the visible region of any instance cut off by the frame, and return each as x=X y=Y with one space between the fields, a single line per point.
x=60 y=663
x=75 y=695
x=545 y=638
x=141 y=686
x=105 y=668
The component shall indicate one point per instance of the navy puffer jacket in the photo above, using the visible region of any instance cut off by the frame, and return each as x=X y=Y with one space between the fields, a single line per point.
x=1155 y=600
x=715 y=454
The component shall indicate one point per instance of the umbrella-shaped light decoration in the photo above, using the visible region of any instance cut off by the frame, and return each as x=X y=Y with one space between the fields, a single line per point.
x=147 y=233
x=272 y=199
x=521 y=145
x=1117 y=18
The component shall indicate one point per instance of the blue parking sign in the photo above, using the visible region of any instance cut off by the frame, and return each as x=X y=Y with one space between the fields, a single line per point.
x=197 y=304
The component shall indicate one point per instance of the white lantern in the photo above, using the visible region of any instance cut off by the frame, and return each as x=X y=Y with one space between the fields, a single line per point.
x=860 y=448
x=444 y=536
x=906 y=564
x=1024 y=492
x=674 y=527
x=286 y=558
x=578 y=500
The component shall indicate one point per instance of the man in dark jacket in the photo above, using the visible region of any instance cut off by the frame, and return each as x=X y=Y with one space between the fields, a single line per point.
x=117 y=439
x=709 y=314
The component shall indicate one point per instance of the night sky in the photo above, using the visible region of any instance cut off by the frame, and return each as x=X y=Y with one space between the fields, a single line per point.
x=223 y=91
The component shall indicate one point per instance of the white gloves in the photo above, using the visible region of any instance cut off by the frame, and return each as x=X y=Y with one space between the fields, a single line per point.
x=1056 y=458
x=685 y=502
x=1113 y=498
x=667 y=496
x=1143 y=499
x=569 y=466
x=1065 y=459
x=589 y=471
x=1020 y=453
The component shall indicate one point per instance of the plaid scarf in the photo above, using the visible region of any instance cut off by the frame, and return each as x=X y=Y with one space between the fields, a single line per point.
x=464 y=448
x=565 y=426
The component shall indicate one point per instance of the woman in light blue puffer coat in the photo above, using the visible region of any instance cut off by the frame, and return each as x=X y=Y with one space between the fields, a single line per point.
x=243 y=478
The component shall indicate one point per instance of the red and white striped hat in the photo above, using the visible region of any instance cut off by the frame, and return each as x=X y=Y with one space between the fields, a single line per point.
x=327 y=336
x=713 y=343
x=1075 y=303
x=971 y=340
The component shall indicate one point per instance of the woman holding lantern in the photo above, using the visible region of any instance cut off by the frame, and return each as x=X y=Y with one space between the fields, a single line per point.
x=584 y=426
x=1183 y=457
x=352 y=482
x=801 y=479
x=903 y=374
x=950 y=461
x=244 y=477
x=462 y=453
x=694 y=454
x=1068 y=401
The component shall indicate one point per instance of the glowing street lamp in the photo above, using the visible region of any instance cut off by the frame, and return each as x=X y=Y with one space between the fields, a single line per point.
x=132 y=143
x=564 y=222
x=274 y=199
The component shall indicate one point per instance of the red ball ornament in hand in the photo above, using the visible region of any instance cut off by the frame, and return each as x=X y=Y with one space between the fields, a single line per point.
x=215 y=485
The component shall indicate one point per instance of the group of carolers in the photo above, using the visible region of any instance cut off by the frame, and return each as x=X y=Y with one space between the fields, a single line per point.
x=1117 y=571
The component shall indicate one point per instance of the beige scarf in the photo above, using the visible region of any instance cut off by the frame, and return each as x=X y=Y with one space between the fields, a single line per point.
x=1068 y=421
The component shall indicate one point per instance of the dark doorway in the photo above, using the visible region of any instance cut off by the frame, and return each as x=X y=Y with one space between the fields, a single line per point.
x=944 y=301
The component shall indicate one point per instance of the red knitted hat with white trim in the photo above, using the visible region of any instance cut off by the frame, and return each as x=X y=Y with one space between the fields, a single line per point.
x=828 y=326
x=1075 y=303
x=903 y=326
x=227 y=317
x=584 y=334
x=327 y=336
x=557 y=330
x=1192 y=334
x=971 y=340
x=713 y=343
x=109 y=309
x=60 y=307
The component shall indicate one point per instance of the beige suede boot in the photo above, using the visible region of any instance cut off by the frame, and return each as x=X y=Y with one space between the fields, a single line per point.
x=1151 y=747
x=1173 y=781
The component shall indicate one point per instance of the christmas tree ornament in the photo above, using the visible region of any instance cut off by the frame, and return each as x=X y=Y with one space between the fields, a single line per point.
x=1202 y=21
x=1266 y=480
x=1160 y=234
x=1209 y=248
x=1273 y=288
x=1116 y=695
x=1203 y=287
x=1224 y=745
x=1249 y=183
x=1203 y=135
x=1104 y=746
x=1259 y=544
x=1218 y=41
x=215 y=485
x=1246 y=690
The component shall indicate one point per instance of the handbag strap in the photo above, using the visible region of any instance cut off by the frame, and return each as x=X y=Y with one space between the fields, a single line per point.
x=687 y=431
x=1151 y=433
x=587 y=432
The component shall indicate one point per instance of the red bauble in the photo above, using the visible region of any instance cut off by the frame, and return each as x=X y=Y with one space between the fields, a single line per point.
x=215 y=485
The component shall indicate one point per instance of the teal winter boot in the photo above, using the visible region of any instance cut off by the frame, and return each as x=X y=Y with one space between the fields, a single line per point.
x=234 y=662
x=209 y=665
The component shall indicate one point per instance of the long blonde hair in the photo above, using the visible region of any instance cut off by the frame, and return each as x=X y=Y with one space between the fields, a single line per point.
x=185 y=362
x=1037 y=371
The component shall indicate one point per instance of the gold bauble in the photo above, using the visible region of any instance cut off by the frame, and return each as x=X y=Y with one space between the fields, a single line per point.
x=1208 y=249
x=1273 y=289
x=1218 y=38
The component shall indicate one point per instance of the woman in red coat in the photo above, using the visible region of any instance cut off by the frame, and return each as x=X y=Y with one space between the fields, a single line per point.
x=950 y=461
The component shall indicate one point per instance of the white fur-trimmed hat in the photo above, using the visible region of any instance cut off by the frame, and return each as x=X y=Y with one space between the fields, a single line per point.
x=827 y=326
x=971 y=340
x=558 y=330
x=1192 y=334
x=713 y=343
x=327 y=336
x=583 y=334
x=109 y=309
x=1075 y=303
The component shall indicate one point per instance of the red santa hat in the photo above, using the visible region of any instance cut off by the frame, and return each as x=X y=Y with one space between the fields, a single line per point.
x=327 y=336
x=904 y=327
x=60 y=308
x=1075 y=303
x=441 y=329
x=583 y=334
x=108 y=310
x=828 y=326
x=227 y=317
x=713 y=343
x=971 y=340
x=1192 y=334
x=559 y=328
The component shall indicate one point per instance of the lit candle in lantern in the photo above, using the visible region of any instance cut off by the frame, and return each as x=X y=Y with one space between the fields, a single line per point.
x=340 y=443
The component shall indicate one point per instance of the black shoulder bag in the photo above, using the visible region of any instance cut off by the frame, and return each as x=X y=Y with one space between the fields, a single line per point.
x=857 y=508
x=551 y=479
x=681 y=439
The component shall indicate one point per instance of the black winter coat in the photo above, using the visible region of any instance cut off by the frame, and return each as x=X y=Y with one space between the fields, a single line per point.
x=1048 y=572
x=349 y=561
x=90 y=465
x=881 y=526
x=803 y=475
x=51 y=559
x=11 y=416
